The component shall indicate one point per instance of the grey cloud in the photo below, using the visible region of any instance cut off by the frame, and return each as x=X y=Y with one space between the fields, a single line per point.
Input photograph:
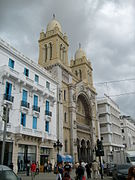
x=108 y=39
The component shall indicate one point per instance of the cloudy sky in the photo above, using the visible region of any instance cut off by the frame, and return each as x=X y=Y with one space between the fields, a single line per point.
x=105 y=29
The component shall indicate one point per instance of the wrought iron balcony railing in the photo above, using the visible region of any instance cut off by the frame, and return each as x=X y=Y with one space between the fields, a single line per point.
x=25 y=104
x=49 y=113
x=8 y=97
x=36 y=108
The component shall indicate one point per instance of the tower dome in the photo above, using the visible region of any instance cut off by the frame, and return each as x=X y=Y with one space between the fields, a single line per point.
x=52 y=24
x=79 y=53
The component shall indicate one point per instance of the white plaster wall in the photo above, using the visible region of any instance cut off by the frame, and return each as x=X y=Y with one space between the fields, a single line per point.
x=17 y=89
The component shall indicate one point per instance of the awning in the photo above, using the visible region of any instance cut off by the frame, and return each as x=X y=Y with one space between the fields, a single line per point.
x=64 y=158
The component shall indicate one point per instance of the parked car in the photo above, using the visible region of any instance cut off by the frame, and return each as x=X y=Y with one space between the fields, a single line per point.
x=7 y=174
x=109 y=169
x=120 y=172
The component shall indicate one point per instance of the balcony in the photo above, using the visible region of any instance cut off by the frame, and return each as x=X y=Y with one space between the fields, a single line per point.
x=48 y=113
x=25 y=104
x=8 y=97
x=36 y=108
x=27 y=131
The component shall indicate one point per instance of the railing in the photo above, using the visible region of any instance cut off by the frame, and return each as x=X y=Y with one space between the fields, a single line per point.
x=25 y=104
x=36 y=108
x=31 y=132
x=8 y=97
x=49 y=113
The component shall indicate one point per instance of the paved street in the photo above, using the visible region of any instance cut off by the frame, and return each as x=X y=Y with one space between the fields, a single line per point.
x=50 y=176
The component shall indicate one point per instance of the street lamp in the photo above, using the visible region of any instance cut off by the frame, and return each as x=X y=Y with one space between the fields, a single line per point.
x=58 y=145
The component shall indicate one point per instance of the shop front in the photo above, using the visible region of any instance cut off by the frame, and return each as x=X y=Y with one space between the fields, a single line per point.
x=44 y=157
x=25 y=153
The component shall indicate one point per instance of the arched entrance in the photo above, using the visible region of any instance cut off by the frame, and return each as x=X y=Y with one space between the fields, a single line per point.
x=84 y=125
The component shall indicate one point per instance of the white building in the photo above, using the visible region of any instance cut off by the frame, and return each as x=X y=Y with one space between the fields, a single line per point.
x=30 y=93
x=128 y=132
x=110 y=130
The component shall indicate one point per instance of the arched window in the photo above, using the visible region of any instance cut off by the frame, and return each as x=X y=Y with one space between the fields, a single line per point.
x=76 y=73
x=61 y=52
x=65 y=117
x=66 y=147
x=45 y=52
x=50 y=50
x=80 y=72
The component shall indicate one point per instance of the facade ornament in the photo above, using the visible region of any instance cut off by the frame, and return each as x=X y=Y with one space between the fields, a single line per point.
x=60 y=94
x=82 y=88
x=74 y=97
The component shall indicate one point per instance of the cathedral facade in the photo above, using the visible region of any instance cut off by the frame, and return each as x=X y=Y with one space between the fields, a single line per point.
x=77 y=123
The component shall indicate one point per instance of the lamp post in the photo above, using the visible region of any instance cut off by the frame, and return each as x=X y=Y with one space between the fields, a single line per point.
x=58 y=145
x=99 y=153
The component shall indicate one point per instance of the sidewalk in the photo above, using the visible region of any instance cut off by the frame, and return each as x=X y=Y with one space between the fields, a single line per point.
x=51 y=176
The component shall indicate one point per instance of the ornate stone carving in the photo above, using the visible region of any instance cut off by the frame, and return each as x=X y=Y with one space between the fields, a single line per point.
x=74 y=97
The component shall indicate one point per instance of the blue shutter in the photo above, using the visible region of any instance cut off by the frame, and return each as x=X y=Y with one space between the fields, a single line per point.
x=23 y=119
x=11 y=63
x=47 y=105
x=25 y=71
x=47 y=126
x=35 y=100
x=36 y=78
x=34 y=122
x=8 y=88
x=24 y=96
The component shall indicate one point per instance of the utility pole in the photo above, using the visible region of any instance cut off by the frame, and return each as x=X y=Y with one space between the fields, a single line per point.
x=5 y=116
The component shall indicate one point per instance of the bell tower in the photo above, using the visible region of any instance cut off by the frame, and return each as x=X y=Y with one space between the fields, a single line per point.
x=81 y=67
x=53 y=45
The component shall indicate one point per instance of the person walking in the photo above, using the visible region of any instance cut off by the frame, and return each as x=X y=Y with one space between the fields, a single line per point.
x=131 y=173
x=28 y=168
x=88 y=170
x=45 y=167
x=67 y=168
x=80 y=172
x=58 y=176
x=33 y=170
x=37 y=168
x=95 y=168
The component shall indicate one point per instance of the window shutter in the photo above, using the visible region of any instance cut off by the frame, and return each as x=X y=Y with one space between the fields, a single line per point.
x=47 y=105
x=24 y=97
x=35 y=100
x=47 y=126
x=34 y=122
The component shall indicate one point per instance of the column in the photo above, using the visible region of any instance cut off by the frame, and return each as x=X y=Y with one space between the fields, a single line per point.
x=48 y=53
x=15 y=156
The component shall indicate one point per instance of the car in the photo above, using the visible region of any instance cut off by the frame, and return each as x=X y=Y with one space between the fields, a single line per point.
x=120 y=172
x=7 y=174
x=109 y=169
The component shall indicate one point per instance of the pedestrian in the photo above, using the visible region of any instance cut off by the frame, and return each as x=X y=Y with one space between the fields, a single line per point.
x=60 y=168
x=28 y=168
x=95 y=168
x=37 y=168
x=88 y=170
x=66 y=176
x=33 y=170
x=58 y=176
x=67 y=168
x=131 y=173
x=80 y=172
x=45 y=167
